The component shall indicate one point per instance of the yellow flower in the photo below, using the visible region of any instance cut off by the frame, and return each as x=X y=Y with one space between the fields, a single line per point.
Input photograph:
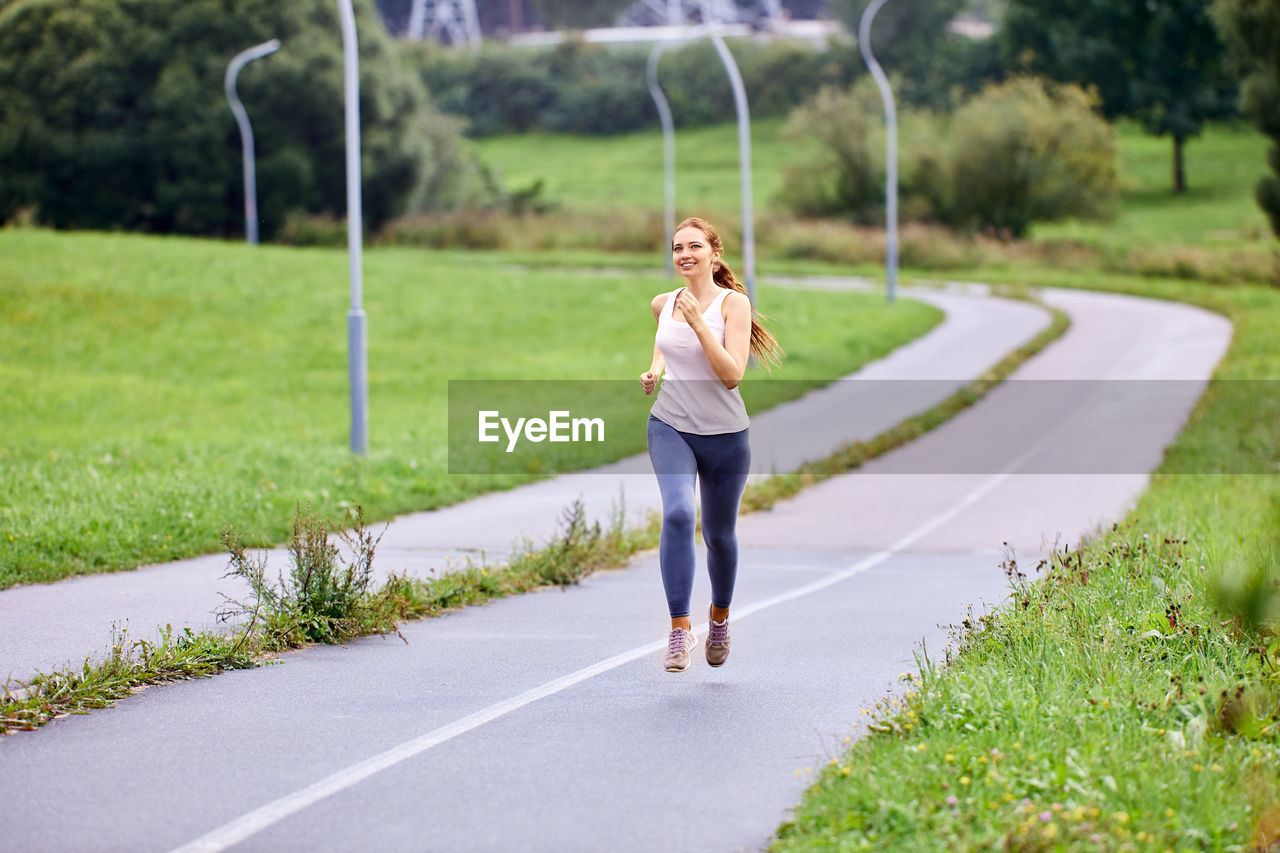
x=1051 y=830
x=1169 y=812
x=1197 y=767
x=1217 y=768
x=1123 y=817
x=982 y=759
x=845 y=771
x=964 y=780
x=948 y=757
x=832 y=763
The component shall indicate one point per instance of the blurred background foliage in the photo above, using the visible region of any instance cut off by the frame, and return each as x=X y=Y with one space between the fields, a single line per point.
x=112 y=115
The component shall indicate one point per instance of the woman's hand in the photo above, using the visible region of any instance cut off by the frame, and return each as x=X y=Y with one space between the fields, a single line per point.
x=648 y=381
x=688 y=306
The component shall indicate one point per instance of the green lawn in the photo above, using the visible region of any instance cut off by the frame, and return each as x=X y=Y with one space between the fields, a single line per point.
x=158 y=390
x=598 y=173
x=603 y=172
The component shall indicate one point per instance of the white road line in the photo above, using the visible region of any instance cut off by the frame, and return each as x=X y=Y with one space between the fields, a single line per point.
x=253 y=822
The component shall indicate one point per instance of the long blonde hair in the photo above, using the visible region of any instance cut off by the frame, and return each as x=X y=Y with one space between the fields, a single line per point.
x=764 y=345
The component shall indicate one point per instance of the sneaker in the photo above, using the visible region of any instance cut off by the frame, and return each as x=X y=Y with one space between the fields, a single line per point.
x=680 y=643
x=718 y=642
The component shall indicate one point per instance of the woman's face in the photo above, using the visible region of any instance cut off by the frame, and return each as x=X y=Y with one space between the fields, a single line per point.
x=691 y=252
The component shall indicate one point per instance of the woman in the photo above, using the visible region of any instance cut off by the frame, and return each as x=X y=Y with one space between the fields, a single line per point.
x=698 y=428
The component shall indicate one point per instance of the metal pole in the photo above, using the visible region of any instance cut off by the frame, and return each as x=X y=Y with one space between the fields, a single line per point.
x=240 y=60
x=357 y=360
x=668 y=152
x=744 y=163
x=891 y=144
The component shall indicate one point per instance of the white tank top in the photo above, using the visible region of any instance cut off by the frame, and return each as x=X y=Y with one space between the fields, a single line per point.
x=692 y=398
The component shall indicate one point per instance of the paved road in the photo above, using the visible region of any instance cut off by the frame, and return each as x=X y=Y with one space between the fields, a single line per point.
x=545 y=722
x=46 y=626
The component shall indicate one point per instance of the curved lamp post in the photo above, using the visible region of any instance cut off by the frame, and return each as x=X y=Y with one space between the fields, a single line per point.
x=240 y=60
x=357 y=360
x=668 y=150
x=891 y=144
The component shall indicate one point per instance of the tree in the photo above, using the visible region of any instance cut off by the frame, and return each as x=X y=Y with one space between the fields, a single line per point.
x=112 y=115
x=1251 y=31
x=1159 y=61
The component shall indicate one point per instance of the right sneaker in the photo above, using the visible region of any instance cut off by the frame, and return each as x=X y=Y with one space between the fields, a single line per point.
x=718 y=642
x=679 y=645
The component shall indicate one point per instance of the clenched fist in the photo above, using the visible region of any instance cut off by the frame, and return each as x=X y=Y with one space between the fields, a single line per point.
x=648 y=381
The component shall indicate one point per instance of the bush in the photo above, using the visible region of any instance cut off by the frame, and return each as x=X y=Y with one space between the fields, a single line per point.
x=847 y=176
x=1017 y=153
x=112 y=115
x=1027 y=151
x=579 y=88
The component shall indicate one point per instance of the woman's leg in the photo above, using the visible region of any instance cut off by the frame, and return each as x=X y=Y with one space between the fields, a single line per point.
x=723 y=463
x=676 y=469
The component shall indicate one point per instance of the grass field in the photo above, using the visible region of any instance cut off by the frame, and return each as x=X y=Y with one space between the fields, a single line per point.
x=158 y=390
x=595 y=173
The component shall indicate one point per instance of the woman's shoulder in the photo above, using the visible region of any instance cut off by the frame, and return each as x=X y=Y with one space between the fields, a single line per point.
x=659 y=302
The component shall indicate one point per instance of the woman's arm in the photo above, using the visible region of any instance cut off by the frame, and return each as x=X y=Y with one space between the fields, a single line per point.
x=649 y=379
x=730 y=360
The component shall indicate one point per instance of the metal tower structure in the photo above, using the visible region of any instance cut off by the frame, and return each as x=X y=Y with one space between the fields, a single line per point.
x=654 y=13
x=452 y=21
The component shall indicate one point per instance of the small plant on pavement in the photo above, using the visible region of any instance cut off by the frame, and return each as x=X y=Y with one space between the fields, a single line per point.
x=326 y=597
x=129 y=667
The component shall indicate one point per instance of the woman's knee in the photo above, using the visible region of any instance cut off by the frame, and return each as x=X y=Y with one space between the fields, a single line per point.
x=678 y=519
x=720 y=541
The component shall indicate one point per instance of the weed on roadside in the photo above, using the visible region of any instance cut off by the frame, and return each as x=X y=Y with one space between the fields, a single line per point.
x=130 y=666
x=326 y=597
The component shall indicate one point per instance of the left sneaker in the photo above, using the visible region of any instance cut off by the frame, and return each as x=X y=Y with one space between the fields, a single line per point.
x=718 y=642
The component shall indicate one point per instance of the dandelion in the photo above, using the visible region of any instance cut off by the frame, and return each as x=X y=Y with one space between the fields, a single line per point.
x=832 y=763
x=982 y=759
x=1123 y=817
x=964 y=780
x=1197 y=767
x=845 y=771
x=1169 y=812
x=948 y=757
x=1217 y=768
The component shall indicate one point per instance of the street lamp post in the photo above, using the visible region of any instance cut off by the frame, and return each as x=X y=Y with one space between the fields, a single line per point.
x=891 y=144
x=668 y=152
x=744 y=163
x=357 y=359
x=240 y=60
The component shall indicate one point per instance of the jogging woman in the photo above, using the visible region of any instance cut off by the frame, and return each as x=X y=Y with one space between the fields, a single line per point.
x=697 y=428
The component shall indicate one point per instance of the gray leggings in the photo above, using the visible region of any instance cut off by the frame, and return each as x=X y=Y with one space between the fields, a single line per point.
x=721 y=461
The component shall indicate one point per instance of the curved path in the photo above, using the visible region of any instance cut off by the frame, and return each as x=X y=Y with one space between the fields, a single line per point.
x=544 y=722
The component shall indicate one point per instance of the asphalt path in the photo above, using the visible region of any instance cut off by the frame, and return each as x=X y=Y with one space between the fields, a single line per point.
x=545 y=722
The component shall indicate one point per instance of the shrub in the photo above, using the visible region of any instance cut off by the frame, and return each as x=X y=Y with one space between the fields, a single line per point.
x=1027 y=151
x=576 y=87
x=847 y=176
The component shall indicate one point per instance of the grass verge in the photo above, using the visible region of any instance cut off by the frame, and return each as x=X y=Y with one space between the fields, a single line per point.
x=1126 y=698
x=326 y=599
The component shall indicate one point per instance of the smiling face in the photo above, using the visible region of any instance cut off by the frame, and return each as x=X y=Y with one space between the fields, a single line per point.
x=691 y=252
